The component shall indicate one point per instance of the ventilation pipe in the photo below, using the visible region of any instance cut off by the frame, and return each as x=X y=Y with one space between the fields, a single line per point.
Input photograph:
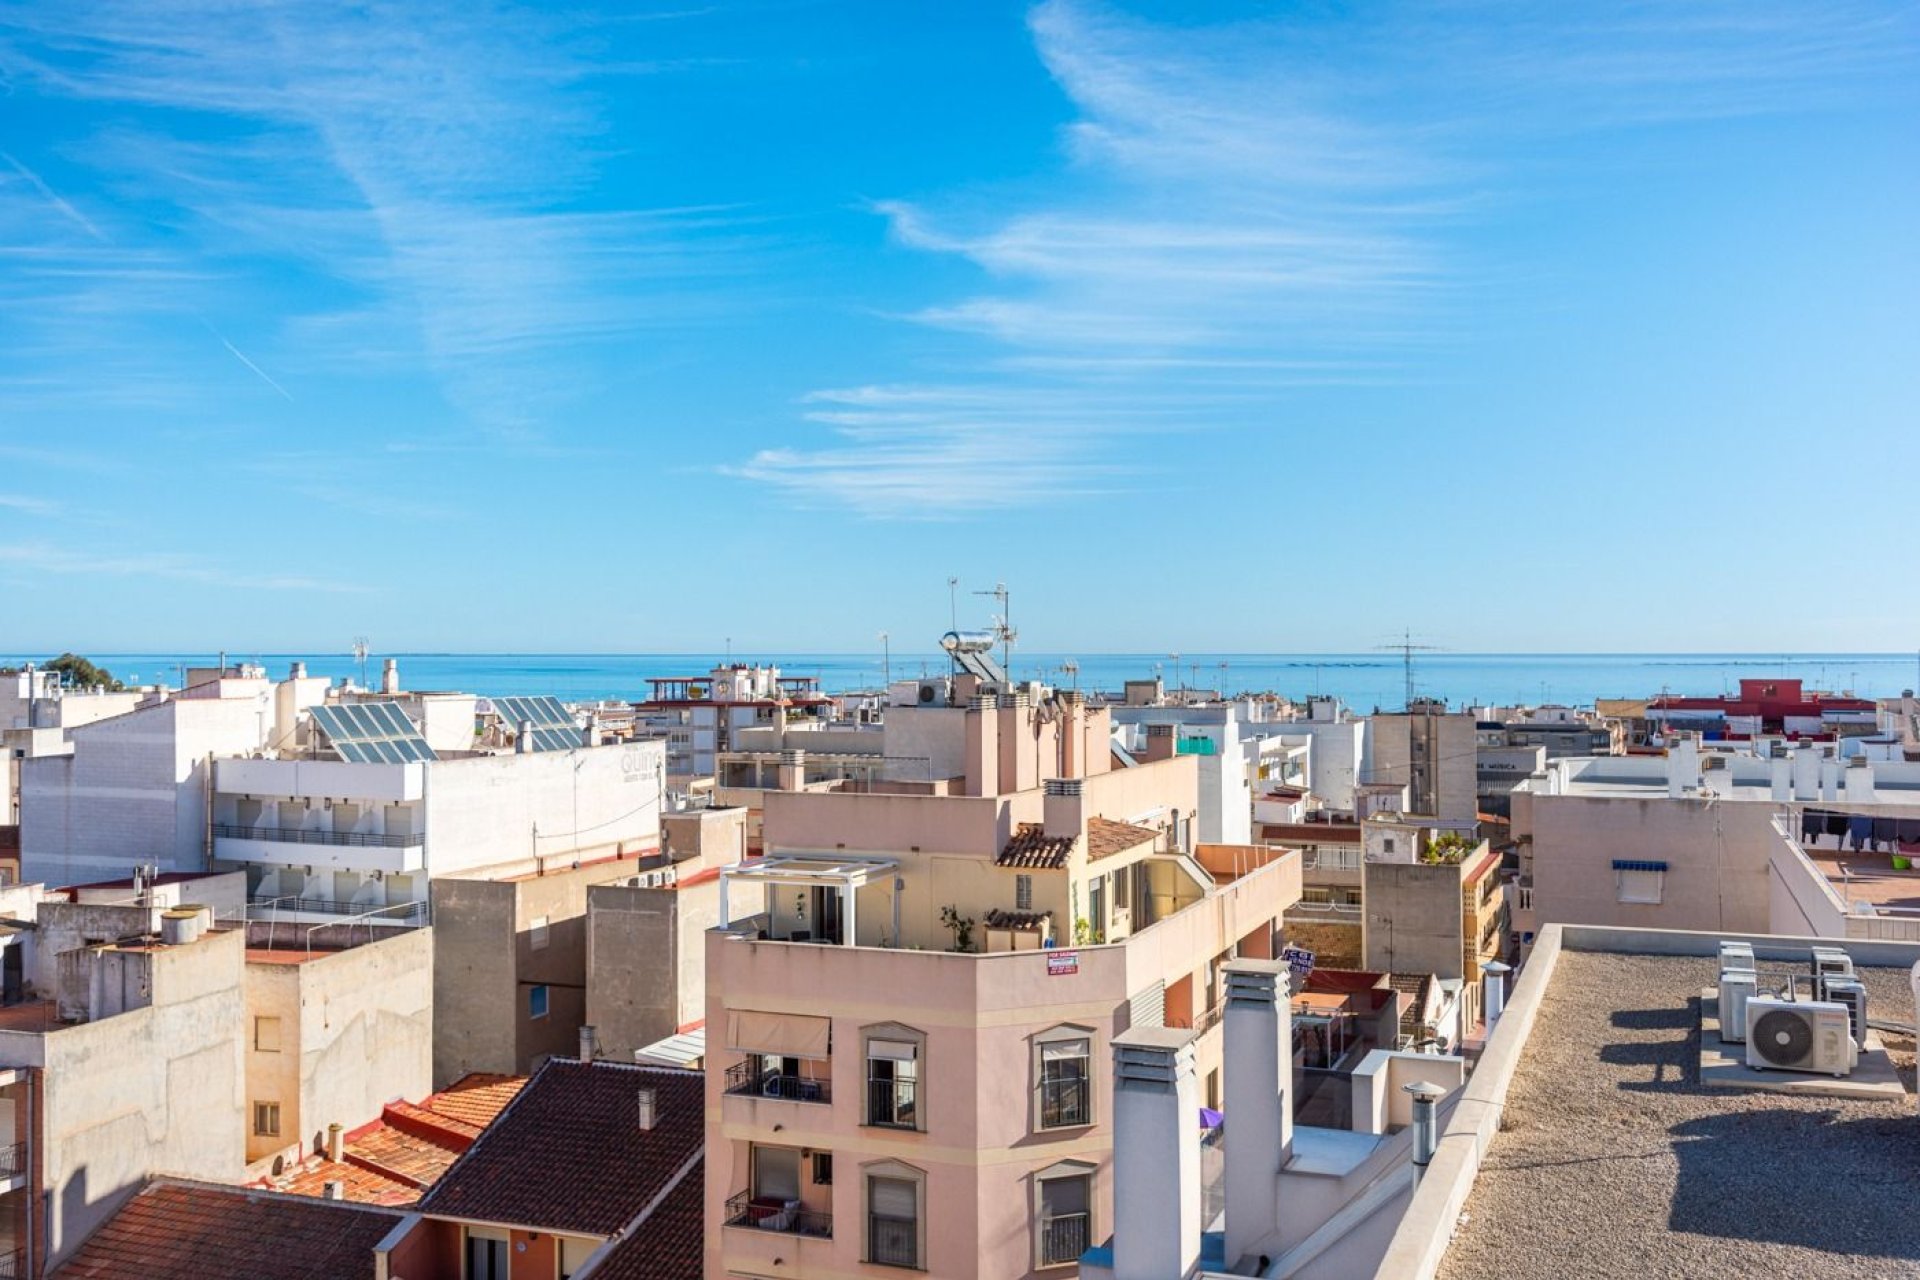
x=298 y=671
x=1258 y=1049
x=523 y=740
x=333 y=1191
x=1426 y=1124
x=649 y=1100
x=1493 y=996
x=586 y=1044
x=390 y=676
x=336 y=1142
x=1156 y=1183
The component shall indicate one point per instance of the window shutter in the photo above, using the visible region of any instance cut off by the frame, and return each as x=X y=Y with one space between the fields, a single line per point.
x=892 y=1198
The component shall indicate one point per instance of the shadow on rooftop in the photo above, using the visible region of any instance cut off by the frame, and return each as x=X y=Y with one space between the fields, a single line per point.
x=1801 y=1177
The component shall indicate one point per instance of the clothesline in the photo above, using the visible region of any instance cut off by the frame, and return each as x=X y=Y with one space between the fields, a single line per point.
x=1858 y=831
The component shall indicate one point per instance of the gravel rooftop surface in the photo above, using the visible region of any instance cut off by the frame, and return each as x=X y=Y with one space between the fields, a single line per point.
x=1612 y=1161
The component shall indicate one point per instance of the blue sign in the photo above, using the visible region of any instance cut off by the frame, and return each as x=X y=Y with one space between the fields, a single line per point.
x=1299 y=959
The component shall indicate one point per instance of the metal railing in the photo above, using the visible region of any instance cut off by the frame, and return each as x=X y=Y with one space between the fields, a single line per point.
x=399 y=912
x=893 y=1242
x=893 y=1104
x=755 y=1080
x=1063 y=1238
x=13 y=1160
x=1065 y=1103
x=13 y=1266
x=302 y=835
x=746 y=1210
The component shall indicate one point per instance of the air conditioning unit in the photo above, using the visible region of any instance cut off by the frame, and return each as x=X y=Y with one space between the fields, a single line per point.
x=1849 y=992
x=1736 y=957
x=934 y=693
x=1813 y=1036
x=1736 y=989
x=1831 y=962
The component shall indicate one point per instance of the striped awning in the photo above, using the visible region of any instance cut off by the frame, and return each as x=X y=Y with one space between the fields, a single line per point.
x=1631 y=864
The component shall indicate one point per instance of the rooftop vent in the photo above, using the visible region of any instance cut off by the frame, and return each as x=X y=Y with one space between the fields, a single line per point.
x=649 y=1100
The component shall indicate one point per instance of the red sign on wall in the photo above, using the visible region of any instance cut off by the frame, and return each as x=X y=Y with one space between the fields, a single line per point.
x=1059 y=962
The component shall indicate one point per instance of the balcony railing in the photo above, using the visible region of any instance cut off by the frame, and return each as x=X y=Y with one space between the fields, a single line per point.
x=303 y=835
x=893 y=1104
x=751 y=1079
x=399 y=913
x=893 y=1242
x=13 y=1266
x=1063 y=1238
x=13 y=1160
x=1065 y=1103
x=762 y=1214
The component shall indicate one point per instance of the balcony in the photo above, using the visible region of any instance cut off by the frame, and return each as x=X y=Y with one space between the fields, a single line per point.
x=752 y=1079
x=362 y=851
x=1063 y=1238
x=304 y=835
x=13 y=1266
x=399 y=913
x=759 y=1214
x=893 y=1242
x=893 y=1104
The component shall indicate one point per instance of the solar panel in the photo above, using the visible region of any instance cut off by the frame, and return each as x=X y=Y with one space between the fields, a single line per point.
x=545 y=712
x=372 y=733
x=556 y=739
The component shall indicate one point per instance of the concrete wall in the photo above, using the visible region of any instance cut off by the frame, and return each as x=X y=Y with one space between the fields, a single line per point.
x=647 y=958
x=356 y=1032
x=134 y=790
x=1412 y=919
x=157 y=1090
x=492 y=811
x=1443 y=775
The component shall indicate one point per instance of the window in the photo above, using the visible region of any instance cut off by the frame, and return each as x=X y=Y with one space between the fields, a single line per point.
x=537 y=1002
x=1065 y=1079
x=893 y=1083
x=266 y=1035
x=1638 y=881
x=486 y=1255
x=266 y=1119
x=776 y=1174
x=823 y=1168
x=574 y=1254
x=893 y=1221
x=537 y=933
x=1063 y=1217
x=1023 y=893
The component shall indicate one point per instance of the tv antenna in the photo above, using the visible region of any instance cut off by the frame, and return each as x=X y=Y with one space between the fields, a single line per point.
x=953 y=603
x=1002 y=624
x=886 y=660
x=1072 y=669
x=360 y=656
x=1407 y=648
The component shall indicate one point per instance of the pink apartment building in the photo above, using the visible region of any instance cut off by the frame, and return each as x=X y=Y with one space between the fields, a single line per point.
x=909 y=1062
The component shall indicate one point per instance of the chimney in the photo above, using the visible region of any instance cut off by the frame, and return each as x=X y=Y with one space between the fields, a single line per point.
x=298 y=671
x=390 y=676
x=1426 y=1126
x=1156 y=1145
x=523 y=739
x=649 y=1101
x=1162 y=742
x=336 y=1141
x=333 y=1191
x=1072 y=735
x=1782 y=774
x=1063 y=808
x=1859 y=775
x=1493 y=995
x=1683 y=765
x=1806 y=774
x=1257 y=1061
x=791 y=773
x=983 y=745
x=586 y=1044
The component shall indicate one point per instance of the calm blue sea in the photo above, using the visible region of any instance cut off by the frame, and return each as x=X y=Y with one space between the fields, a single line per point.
x=1364 y=680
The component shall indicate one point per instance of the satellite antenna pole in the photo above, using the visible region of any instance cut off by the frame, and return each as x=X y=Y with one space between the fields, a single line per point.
x=1407 y=649
x=953 y=603
x=1002 y=624
x=886 y=660
x=360 y=656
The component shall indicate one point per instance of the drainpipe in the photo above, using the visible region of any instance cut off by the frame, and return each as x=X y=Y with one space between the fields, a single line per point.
x=1426 y=1130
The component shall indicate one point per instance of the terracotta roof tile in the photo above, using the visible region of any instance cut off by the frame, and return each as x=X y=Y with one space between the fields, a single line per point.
x=1024 y=920
x=580 y=1119
x=476 y=1099
x=1106 y=837
x=1032 y=847
x=667 y=1244
x=175 y=1230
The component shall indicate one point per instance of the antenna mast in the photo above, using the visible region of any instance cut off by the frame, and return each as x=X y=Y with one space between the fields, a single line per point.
x=1002 y=624
x=1407 y=648
x=360 y=656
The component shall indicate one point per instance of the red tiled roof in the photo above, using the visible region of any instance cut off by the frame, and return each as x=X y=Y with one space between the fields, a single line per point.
x=1032 y=847
x=175 y=1230
x=1106 y=837
x=569 y=1154
x=666 y=1244
x=476 y=1099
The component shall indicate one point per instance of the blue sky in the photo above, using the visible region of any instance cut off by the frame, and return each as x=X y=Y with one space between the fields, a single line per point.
x=1528 y=326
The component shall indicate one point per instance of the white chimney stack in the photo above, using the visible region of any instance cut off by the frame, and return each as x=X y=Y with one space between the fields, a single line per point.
x=586 y=1044
x=1493 y=996
x=1258 y=1066
x=1806 y=774
x=390 y=676
x=1156 y=1143
x=523 y=739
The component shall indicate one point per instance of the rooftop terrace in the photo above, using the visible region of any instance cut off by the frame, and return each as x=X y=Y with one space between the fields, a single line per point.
x=1612 y=1160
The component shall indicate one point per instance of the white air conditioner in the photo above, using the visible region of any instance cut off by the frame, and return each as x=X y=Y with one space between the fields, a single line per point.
x=934 y=693
x=1736 y=989
x=1736 y=956
x=1799 y=1035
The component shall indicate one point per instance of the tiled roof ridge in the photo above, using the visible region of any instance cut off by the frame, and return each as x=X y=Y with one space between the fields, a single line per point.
x=253 y=1191
x=679 y=1175
x=430 y=1126
x=372 y=1166
x=495 y=1125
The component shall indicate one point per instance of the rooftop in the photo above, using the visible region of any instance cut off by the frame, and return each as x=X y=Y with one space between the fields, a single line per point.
x=174 y=1230
x=1031 y=846
x=669 y=1243
x=1106 y=837
x=581 y=1119
x=1612 y=1160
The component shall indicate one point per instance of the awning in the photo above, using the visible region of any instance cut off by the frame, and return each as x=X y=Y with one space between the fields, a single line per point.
x=784 y=1035
x=1630 y=864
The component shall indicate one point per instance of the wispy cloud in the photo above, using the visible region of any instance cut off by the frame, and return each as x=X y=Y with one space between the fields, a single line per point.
x=1265 y=205
x=28 y=506
x=53 y=197
x=46 y=558
x=425 y=164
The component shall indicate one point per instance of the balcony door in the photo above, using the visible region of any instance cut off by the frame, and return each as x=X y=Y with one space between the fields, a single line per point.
x=487 y=1258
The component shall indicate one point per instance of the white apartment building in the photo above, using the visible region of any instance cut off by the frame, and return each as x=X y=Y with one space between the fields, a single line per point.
x=1239 y=752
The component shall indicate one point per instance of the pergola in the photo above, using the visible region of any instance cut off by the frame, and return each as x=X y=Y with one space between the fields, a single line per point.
x=845 y=873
